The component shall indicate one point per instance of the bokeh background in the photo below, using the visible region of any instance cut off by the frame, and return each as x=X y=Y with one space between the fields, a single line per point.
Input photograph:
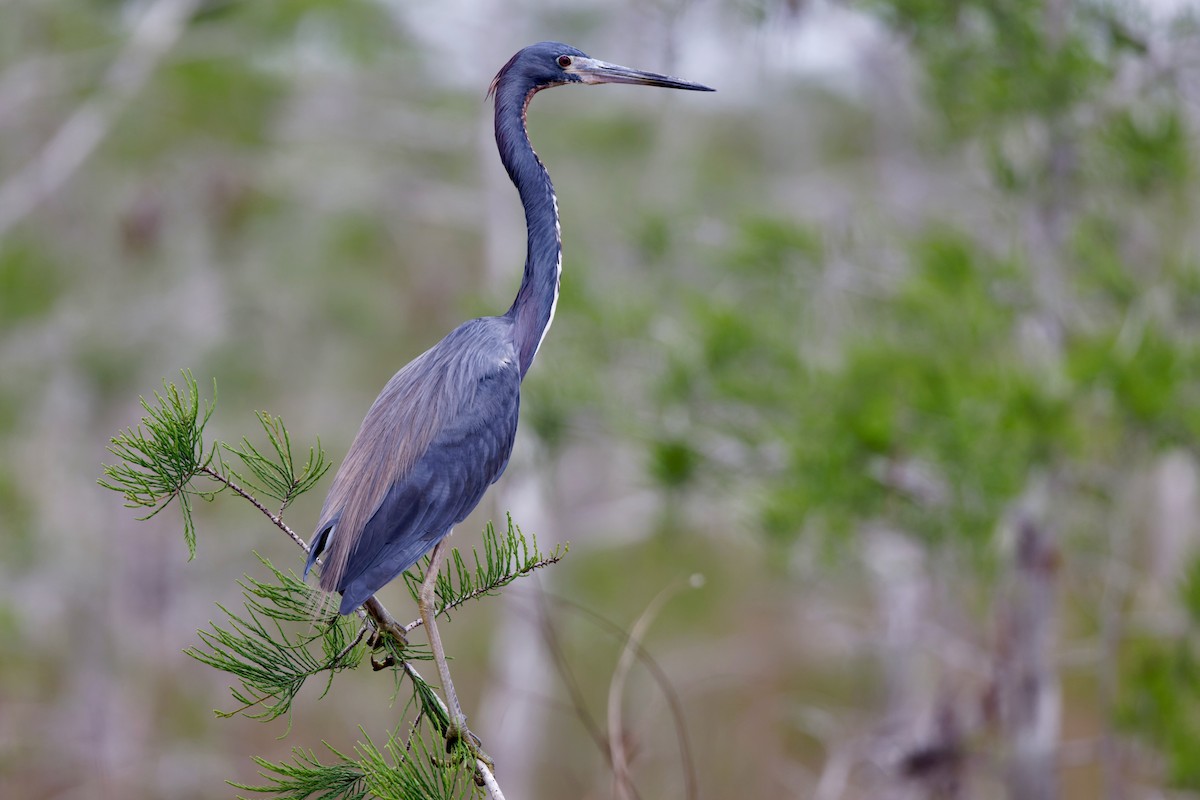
x=892 y=340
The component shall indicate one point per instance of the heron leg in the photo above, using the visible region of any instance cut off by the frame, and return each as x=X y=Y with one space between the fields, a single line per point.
x=425 y=604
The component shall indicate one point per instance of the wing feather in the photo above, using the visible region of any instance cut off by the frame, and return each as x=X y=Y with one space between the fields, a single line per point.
x=443 y=487
x=438 y=435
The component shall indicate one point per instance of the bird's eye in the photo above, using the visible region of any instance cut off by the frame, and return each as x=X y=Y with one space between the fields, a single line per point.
x=564 y=61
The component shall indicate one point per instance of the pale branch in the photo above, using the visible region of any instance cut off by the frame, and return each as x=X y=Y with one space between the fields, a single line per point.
x=489 y=780
x=482 y=768
x=652 y=666
x=616 y=739
x=385 y=622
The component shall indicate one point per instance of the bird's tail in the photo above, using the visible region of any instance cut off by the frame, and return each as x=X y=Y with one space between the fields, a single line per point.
x=323 y=602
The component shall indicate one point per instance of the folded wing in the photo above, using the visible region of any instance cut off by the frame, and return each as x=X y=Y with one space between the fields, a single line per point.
x=440 y=433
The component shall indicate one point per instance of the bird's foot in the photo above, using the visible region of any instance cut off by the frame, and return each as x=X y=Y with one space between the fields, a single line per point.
x=388 y=628
x=457 y=733
x=383 y=663
x=378 y=641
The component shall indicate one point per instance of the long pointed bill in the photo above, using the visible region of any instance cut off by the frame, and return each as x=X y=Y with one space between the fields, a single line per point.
x=591 y=70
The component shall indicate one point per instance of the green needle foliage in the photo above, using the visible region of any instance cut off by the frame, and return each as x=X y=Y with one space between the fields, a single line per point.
x=270 y=661
x=277 y=476
x=308 y=778
x=163 y=455
x=279 y=641
x=505 y=558
x=404 y=771
x=399 y=771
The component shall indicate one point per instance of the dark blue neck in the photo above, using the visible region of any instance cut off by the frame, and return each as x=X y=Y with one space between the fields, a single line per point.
x=533 y=308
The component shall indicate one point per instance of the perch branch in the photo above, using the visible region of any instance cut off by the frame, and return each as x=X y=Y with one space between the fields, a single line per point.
x=380 y=616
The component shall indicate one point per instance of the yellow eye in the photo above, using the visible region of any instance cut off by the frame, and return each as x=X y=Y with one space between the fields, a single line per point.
x=564 y=61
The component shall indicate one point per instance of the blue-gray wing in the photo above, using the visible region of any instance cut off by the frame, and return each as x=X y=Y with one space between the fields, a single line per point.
x=444 y=485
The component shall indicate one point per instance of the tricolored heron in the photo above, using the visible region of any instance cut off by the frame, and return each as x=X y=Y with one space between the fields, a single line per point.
x=441 y=431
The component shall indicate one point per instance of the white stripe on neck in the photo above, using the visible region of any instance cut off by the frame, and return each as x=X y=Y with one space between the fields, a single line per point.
x=557 y=275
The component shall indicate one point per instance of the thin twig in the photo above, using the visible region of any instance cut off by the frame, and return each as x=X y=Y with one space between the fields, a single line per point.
x=75 y=141
x=616 y=690
x=372 y=608
x=240 y=492
x=381 y=617
x=660 y=677
x=412 y=730
x=362 y=631
x=839 y=763
x=550 y=636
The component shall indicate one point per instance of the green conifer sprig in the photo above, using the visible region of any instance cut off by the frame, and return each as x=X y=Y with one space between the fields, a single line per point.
x=277 y=476
x=308 y=778
x=431 y=706
x=505 y=558
x=401 y=770
x=160 y=457
x=270 y=659
x=404 y=770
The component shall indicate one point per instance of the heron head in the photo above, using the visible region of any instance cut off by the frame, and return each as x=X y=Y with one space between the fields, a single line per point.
x=547 y=64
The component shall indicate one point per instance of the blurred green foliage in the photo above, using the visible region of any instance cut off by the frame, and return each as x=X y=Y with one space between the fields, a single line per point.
x=995 y=354
x=804 y=312
x=30 y=281
x=202 y=101
x=989 y=64
x=1160 y=697
x=1051 y=331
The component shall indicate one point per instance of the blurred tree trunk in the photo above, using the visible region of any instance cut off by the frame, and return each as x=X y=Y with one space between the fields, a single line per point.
x=514 y=723
x=1027 y=695
x=924 y=729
